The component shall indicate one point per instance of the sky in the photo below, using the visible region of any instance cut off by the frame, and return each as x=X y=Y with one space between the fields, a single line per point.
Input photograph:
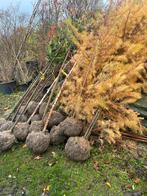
x=25 y=5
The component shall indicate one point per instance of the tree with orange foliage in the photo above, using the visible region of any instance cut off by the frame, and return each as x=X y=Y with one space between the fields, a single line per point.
x=110 y=70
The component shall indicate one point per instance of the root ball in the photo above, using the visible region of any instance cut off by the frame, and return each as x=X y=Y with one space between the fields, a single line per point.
x=36 y=126
x=31 y=107
x=55 y=119
x=57 y=136
x=6 y=126
x=21 y=131
x=77 y=149
x=7 y=140
x=38 y=142
x=71 y=127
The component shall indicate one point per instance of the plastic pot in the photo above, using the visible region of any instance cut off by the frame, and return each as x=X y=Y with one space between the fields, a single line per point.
x=7 y=87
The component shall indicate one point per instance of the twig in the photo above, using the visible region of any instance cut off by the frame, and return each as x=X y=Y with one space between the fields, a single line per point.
x=131 y=136
x=135 y=139
x=92 y=124
x=134 y=136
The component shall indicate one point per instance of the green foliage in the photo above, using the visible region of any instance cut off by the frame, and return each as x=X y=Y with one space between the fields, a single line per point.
x=60 y=44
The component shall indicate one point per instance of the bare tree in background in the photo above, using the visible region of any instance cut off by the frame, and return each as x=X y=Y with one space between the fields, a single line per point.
x=12 y=30
x=76 y=8
x=51 y=11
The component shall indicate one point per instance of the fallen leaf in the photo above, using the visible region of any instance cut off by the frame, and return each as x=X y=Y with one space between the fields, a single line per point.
x=37 y=158
x=46 y=189
x=107 y=162
x=24 y=146
x=96 y=165
x=133 y=187
x=52 y=163
x=108 y=184
x=54 y=155
x=6 y=108
x=137 y=180
x=129 y=186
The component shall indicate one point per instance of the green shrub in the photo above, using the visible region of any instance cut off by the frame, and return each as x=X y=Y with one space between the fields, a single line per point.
x=59 y=46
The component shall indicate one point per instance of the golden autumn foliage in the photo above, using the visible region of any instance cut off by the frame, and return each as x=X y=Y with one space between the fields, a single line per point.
x=110 y=70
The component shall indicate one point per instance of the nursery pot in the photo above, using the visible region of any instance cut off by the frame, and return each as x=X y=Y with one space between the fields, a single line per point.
x=24 y=87
x=7 y=87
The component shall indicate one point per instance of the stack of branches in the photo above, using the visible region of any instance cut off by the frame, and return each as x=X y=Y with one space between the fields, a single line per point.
x=110 y=71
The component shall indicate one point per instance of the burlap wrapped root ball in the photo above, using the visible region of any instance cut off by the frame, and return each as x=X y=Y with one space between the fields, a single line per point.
x=77 y=149
x=21 y=118
x=21 y=131
x=36 y=126
x=36 y=117
x=42 y=108
x=7 y=140
x=38 y=142
x=55 y=119
x=6 y=126
x=31 y=107
x=71 y=127
x=57 y=136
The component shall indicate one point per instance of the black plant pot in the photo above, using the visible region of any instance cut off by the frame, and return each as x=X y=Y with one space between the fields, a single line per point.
x=7 y=87
x=24 y=87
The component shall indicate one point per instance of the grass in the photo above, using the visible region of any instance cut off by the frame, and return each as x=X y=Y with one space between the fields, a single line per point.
x=112 y=171
x=7 y=102
x=105 y=173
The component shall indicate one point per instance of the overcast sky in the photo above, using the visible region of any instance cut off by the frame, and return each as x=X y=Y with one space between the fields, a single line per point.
x=25 y=5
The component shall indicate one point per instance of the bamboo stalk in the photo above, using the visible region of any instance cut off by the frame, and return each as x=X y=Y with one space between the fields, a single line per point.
x=92 y=124
x=135 y=139
x=20 y=102
x=131 y=136
x=48 y=91
x=63 y=66
x=138 y=137
x=56 y=99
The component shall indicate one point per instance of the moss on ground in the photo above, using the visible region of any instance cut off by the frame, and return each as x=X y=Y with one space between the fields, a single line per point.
x=109 y=172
